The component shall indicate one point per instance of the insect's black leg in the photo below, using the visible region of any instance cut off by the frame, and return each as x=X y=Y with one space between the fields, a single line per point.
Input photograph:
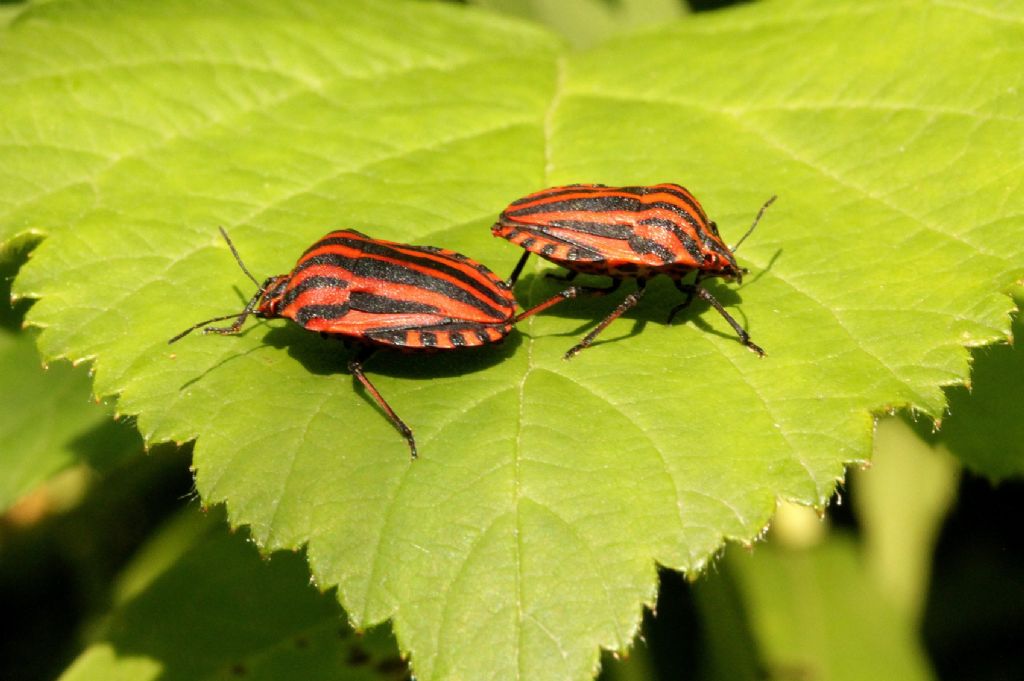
x=689 y=290
x=514 y=277
x=355 y=365
x=629 y=301
x=235 y=325
x=571 y=292
x=740 y=331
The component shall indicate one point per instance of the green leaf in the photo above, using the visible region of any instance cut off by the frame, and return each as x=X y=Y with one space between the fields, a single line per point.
x=48 y=422
x=526 y=535
x=811 y=613
x=985 y=424
x=199 y=603
x=52 y=424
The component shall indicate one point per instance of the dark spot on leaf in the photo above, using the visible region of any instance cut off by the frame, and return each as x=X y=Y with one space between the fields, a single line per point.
x=239 y=669
x=391 y=665
x=357 y=656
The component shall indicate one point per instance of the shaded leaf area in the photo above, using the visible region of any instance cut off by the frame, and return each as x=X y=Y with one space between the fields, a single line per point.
x=48 y=420
x=62 y=546
x=200 y=603
x=810 y=614
x=985 y=424
x=526 y=535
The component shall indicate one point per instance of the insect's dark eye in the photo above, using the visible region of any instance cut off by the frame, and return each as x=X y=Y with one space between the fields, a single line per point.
x=708 y=258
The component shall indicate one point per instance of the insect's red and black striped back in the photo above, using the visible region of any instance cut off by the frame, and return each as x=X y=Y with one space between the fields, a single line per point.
x=387 y=293
x=629 y=231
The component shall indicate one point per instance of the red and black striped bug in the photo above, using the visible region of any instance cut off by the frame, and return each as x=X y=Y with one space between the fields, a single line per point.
x=380 y=294
x=624 y=233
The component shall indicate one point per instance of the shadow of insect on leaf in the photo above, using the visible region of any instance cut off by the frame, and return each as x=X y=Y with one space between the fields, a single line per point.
x=324 y=355
x=230 y=358
x=765 y=270
x=662 y=296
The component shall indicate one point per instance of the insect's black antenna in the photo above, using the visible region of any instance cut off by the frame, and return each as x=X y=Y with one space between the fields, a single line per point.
x=245 y=269
x=240 y=317
x=734 y=248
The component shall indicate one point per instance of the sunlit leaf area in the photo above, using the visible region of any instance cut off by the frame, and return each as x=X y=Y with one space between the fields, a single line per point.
x=666 y=504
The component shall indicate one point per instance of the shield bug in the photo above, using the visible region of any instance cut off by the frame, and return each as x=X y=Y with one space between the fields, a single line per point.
x=624 y=233
x=381 y=294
